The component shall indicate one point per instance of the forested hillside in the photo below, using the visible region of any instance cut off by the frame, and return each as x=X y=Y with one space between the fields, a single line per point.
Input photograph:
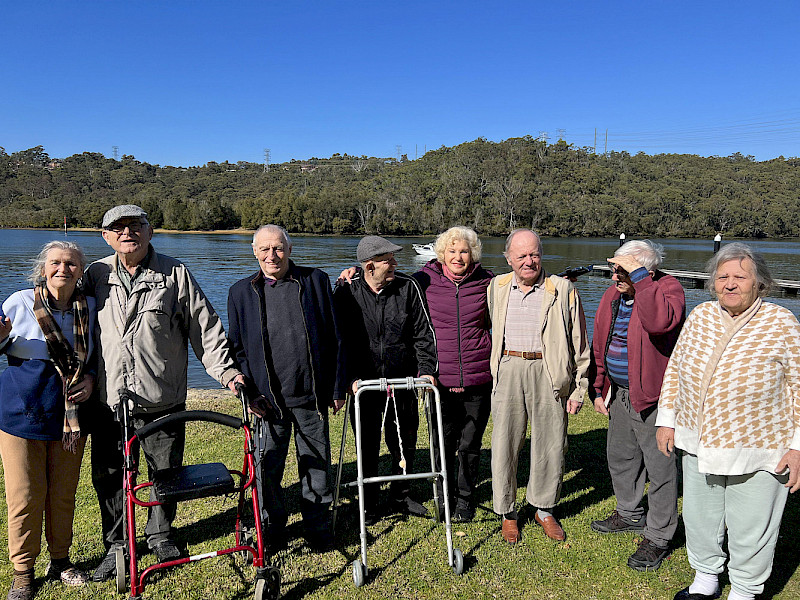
x=557 y=189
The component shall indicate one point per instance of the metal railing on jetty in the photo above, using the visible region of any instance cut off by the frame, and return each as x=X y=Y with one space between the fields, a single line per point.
x=697 y=280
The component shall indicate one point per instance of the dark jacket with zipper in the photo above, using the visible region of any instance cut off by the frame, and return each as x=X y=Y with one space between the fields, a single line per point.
x=461 y=321
x=388 y=334
x=247 y=331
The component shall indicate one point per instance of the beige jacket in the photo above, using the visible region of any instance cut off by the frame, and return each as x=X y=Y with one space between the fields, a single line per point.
x=143 y=339
x=565 y=343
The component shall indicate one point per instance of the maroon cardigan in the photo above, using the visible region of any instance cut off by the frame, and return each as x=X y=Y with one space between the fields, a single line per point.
x=659 y=309
x=460 y=322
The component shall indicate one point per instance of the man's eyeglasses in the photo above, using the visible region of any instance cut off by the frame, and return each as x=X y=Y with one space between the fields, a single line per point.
x=619 y=271
x=133 y=227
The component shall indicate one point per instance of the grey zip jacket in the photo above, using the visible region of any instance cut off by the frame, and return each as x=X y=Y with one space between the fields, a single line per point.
x=143 y=338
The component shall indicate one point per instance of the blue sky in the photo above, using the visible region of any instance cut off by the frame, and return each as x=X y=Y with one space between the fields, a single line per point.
x=184 y=83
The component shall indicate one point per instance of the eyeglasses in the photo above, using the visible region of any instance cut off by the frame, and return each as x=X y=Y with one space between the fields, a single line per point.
x=133 y=227
x=618 y=271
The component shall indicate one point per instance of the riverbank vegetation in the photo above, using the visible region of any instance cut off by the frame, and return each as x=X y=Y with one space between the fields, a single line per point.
x=558 y=189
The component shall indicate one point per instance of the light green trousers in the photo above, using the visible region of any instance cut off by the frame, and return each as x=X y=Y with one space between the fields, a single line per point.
x=749 y=506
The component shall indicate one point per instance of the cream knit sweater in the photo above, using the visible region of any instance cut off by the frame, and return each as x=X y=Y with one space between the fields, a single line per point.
x=732 y=388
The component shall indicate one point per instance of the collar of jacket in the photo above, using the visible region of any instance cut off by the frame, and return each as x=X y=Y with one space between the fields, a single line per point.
x=435 y=266
x=258 y=278
x=151 y=271
x=549 y=286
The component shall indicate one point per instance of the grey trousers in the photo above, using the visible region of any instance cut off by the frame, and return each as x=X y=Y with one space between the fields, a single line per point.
x=633 y=458
x=523 y=394
x=309 y=428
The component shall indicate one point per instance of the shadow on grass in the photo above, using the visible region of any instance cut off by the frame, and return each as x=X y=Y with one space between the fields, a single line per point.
x=591 y=483
x=586 y=457
x=787 y=550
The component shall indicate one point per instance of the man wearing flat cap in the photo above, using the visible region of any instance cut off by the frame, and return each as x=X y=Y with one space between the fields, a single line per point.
x=149 y=309
x=388 y=334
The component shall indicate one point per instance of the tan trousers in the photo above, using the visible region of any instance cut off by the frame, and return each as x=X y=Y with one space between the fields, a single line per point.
x=523 y=394
x=41 y=479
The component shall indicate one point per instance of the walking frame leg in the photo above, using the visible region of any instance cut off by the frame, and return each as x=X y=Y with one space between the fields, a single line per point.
x=360 y=479
x=339 y=467
x=431 y=445
x=443 y=475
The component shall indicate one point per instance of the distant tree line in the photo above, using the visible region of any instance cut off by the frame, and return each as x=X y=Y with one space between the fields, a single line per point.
x=557 y=189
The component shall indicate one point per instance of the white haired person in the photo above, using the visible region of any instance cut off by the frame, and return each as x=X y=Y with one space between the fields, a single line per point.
x=731 y=402
x=455 y=286
x=635 y=329
x=46 y=334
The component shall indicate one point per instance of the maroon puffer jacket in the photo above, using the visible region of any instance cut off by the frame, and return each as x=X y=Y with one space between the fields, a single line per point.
x=461 y=324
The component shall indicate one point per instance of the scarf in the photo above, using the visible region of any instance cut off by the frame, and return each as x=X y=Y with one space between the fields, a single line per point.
x=457 y=279
x=69 y=362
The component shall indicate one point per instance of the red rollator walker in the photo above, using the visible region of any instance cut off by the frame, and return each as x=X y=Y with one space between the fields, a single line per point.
x=191 y=482
x=455 y=558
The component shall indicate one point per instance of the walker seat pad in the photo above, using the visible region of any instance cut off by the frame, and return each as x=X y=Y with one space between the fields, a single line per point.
x=192 y=481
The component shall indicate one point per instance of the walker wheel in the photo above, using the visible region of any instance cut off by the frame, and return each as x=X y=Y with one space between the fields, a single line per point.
x=119 y=565
x=246 y=539
x=269 y=586
x=359 y=573
x=458 y=562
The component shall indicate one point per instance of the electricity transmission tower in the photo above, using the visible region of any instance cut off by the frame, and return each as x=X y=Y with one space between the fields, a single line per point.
x=115 y=152
x=266 y=160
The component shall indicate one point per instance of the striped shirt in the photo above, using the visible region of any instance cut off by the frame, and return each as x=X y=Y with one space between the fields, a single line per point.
x=617 y=354
x=523 y=330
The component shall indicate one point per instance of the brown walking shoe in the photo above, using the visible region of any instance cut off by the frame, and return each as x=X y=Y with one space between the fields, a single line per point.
x=510 y=531
x=551 y=527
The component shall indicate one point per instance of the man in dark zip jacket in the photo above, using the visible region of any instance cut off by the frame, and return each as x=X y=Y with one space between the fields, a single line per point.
x=389 y=334
x=287 y=342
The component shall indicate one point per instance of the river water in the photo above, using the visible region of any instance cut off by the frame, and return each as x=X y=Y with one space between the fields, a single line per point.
x=219 y=260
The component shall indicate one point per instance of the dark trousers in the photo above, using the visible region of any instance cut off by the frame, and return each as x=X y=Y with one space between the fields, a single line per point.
x=633 y=458
x=313 y=449
x=464 y=415
x=372 y=407
x=162 y=450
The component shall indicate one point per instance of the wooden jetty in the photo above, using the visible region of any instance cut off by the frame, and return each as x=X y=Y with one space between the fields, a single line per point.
x=697 y=280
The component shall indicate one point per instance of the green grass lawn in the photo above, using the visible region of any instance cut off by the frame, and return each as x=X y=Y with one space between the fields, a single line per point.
x=407 y=556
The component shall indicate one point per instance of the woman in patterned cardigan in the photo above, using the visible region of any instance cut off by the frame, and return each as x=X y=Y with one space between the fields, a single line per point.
x=731 y=401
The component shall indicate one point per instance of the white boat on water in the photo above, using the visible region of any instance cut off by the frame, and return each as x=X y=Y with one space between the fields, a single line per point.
x=425 y=250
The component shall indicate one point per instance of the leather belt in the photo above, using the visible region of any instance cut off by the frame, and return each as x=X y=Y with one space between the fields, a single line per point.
x=525 y=355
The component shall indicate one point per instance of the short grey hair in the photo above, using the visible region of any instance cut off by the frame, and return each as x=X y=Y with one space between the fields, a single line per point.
x=739 y=251
x=35 y=276
x=274 y=229
x=456 y=234
x=647 y=253
x=515 y=232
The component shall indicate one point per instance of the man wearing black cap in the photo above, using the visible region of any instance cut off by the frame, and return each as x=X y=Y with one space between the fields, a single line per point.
x=389 y=334
x=149 y=308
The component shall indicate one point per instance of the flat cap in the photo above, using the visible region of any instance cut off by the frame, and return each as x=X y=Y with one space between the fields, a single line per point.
x=374 y=245
x=124 y=211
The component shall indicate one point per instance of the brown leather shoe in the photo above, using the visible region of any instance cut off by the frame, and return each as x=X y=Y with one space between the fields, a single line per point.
x=551 y=527
x=510 y=531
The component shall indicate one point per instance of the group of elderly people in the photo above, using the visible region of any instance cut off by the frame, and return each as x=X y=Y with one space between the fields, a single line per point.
x=722 y=385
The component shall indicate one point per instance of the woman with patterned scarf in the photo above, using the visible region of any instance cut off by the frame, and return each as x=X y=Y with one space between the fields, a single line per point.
x=46 y=334
x=731 y=402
